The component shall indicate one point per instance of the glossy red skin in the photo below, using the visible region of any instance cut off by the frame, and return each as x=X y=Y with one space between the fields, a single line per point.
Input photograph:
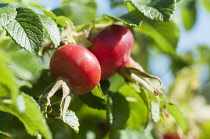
x=78 y=66
x=112 y=46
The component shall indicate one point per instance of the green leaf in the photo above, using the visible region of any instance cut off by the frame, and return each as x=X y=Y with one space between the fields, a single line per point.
x=25 y=66
x=39 y=85
x=178 y=116
x=115 y=82
x=26 y=109
x=205 y=130
x=206 y=4
x=26 y=30
x=94 y=99
x=86 y=11
x=49 y=13
x=3 y=57
x=164 y=34
x=120 y=110
x=189 y=14
x=115 y=3
x=62 y=20
x=160 y=10
x=133 y=18
x=52 y=29
x=7 y=13
x=72 y=120
x=139 y=112
x=154 y=107
x=7 y=83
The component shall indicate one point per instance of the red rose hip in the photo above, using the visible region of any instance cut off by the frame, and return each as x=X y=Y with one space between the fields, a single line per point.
x=112 y=46
x=77 y=66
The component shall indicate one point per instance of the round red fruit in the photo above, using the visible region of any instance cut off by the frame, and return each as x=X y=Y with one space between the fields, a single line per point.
x=112 y=46
x=77 y=66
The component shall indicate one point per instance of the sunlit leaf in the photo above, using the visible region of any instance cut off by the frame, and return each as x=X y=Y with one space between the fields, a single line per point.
x=49 y=14
x=206 y=4
x=156 y=10
x=30 y=116
x=86 y=11
x=139 y=112
x=25 y=66
x=7 y=13
x=72 y=120
x=154 y=107
x=39 y=85
x=189 y=14
x=164 y=34
x=7 y=83
x=178 y=116
x=26 y=30
x=155 y=110
x=205 y=130
x=63 y=21
x=133 y=18
x=52 y=29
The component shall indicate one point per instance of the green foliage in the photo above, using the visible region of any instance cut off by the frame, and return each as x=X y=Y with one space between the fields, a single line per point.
x=26 y=29
x=120 y=110
x=72 y=120
x=178 y=115
x=118 y=107
x=164 y=34
x=51 y=28
x=189 y=14
x=139 y=110
x=139 y=10
x=9 y=11
x=206 y=4
x=20 y=105
x=94 y=99
x=25 y=67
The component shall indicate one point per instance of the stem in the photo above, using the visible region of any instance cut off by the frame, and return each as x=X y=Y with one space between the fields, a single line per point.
x=66 y=106
x=134 y=77
x=55 y=88
x=65 y=101
x=140 y=81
